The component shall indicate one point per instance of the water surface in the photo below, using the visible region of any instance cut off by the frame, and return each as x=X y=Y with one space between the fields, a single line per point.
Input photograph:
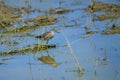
x=97 y=54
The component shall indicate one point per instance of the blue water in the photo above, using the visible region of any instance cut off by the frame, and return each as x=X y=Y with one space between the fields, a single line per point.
x=90 y=50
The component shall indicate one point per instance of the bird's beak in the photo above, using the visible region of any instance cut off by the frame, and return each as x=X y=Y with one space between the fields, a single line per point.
x=57 y=31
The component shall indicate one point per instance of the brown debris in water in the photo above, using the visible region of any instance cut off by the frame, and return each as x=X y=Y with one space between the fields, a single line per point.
x=57 y=11
x=7 y=16
x=100 y=6
x=113 y=30
x=114 y=10
x=5 y=9
x=30 y=49
x=108 y=16
x=21 y=29
x=43 y=20
x=87 y=29
x=39 y=21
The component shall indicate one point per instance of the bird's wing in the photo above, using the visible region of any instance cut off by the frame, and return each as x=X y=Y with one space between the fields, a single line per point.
x=45 y=34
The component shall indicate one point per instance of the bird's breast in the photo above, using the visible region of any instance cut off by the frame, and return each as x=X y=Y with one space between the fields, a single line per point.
x=52 y=33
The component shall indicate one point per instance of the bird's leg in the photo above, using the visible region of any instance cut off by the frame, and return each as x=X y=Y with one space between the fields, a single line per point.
x=41 y=41
x=47 y=53
x=47 y=41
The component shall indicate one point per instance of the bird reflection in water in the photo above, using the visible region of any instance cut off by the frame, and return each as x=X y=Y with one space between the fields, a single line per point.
x=48 y=60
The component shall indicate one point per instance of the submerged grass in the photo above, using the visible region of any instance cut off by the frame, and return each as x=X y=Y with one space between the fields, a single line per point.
x=21 y=29
x=43 y=20
x=39 y=21
x=113 y=30
x=114 y=10
x=57 y=11
x=30 y=49
x=7 y=16
x=108 y=16
x=100 y=6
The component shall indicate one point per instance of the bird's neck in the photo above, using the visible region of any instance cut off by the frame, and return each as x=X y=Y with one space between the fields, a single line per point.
x=52 y=32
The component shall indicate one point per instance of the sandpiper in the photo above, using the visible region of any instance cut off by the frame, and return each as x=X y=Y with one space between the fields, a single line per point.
x=47 y=35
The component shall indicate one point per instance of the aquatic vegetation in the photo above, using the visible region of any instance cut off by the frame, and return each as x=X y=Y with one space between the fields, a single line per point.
x=7 y=19
x=87 y=29
x=113 y=30
x=113 y=13
x=39 y=21
x=90 y=32
x=6 y=9
x=78 y=42
x=58 y=11
x=43 y=20
x=30 y=49
x=7 y=16
x=75 y=58
x=100 y=6
x=48 y=60
x=21 y=29
x=108 y=16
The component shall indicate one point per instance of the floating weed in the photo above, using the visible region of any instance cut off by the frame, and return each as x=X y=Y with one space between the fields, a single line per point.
x=30 y=49
x=114 y=30
x=43 y=20
x=21 y=29
x=39 y=21
x=100 y=6
x=108 y=16
x=58 y=11
x=7 y=16
x=90 y=32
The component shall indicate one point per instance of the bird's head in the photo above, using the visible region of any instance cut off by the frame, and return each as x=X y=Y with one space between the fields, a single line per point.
x=54 y=30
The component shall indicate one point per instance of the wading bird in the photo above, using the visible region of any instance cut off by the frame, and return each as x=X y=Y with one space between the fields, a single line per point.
x=47 y=35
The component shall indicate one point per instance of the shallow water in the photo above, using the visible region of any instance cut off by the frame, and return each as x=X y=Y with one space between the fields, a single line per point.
x=97 y=54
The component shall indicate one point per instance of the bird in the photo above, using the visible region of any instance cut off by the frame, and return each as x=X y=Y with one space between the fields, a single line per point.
x=47 y=35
